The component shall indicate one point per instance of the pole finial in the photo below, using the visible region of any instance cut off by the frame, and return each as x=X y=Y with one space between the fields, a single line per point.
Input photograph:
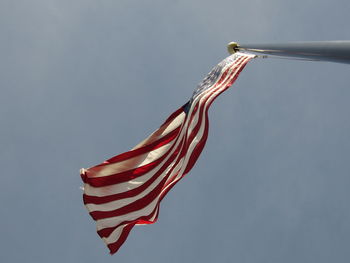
x=232 y=47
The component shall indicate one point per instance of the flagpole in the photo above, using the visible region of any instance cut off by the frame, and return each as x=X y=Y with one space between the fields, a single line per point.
x=334 y=51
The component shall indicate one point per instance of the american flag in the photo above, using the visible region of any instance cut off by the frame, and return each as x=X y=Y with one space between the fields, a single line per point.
x=126 y=190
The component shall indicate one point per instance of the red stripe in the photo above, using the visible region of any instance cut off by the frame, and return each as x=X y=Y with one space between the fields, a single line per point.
x=175 y=114
x=200 y=145
x=240 y=67
x=194 y=111
x=190 y=138
x=198 y=148
x=193 y=134
x=130 y=174
x=144 y=149
x=106 y=232
x=124 y=176
x=133 y=153
x=88 y=199
x=114 y=247
x=134 y=206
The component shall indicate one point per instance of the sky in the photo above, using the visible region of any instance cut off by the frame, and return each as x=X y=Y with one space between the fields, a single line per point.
x=82 y=81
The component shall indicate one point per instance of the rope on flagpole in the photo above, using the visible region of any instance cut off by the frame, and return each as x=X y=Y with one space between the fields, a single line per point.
x=289 y=58
x=285 y=58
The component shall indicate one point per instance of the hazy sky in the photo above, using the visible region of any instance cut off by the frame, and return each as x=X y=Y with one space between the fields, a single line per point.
x=82 y=81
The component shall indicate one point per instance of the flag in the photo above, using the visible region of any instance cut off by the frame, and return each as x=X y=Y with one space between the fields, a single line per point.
x=126 y=190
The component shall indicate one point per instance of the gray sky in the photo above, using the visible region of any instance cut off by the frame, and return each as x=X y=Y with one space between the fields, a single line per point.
x=82 y=81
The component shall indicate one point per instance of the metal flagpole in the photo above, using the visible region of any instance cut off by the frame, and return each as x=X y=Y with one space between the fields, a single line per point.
x=334 y=51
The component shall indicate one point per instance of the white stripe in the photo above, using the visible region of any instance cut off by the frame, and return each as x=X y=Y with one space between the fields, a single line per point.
x=131 y=163
x=126 y=201
x=174 y=124
x=189 y=151
x=122 y=187
x=223 y=86
x=194 y=122
x=125 y=186
x=115 y=235
x=154 y=214
x=114 y=221
x=105 y=170
x=200 y=133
